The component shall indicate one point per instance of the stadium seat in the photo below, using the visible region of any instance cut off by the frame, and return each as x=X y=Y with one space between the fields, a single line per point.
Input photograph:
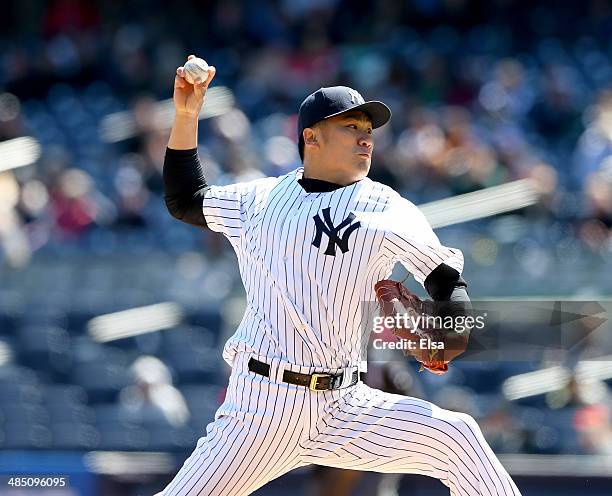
x=123 y=437
x=23 y=435
x=74 y=435
x=164 y=438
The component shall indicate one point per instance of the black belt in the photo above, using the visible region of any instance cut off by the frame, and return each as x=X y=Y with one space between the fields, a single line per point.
x=314 y=382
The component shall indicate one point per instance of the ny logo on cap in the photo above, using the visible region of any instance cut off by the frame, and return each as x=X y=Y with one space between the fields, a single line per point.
x=355 y=97
x=327 y=227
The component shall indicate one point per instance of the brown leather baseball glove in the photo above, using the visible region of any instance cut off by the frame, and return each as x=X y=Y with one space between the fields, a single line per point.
x=429 y=340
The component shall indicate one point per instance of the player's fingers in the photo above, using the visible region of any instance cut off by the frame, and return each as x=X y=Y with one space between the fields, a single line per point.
x=179 y=82
x=198 y=88
x=211 y=74
x=191 y=57
x=212 y=70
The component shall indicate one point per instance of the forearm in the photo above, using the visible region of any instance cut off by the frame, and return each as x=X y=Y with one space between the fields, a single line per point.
x=184 y=134
x=448 y=290
x=460 y=308
x=184 y=182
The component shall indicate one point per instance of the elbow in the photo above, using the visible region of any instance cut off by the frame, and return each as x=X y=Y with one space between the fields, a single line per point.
x=190 y=214
x=173 y=207
x=442 y=281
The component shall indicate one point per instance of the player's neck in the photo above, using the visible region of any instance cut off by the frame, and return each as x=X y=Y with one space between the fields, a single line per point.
x=331 y=176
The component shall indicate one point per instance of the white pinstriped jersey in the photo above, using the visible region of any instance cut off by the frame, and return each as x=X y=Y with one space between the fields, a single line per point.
x=308 y=261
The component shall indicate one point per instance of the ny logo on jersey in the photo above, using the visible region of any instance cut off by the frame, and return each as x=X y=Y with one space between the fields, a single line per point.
x=355 y=97
x=327 y=227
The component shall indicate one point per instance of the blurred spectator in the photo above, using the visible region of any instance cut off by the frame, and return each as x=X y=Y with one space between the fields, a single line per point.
x=71 y=202
x=152 y=399
x=475 y=104
x=14 y=245
x=594 y=425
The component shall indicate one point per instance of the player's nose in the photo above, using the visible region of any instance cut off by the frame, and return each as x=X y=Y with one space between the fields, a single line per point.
x=366 y=140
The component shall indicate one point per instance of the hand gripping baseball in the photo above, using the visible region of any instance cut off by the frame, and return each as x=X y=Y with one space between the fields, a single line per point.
x=396 y=299
x=188 y=98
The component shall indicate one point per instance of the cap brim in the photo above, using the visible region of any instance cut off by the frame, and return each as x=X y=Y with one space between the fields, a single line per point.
x=378 y=112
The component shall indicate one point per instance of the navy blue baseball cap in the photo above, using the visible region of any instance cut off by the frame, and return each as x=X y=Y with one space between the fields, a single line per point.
x=335 y=100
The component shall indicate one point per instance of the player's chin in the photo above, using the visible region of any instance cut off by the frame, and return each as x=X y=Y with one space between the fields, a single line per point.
x=364 y=156
x=363 y=162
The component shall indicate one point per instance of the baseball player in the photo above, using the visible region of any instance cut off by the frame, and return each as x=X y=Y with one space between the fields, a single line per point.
x=311 y=245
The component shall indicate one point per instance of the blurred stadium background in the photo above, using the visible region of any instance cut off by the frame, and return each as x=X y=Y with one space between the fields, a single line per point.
x=483 y=93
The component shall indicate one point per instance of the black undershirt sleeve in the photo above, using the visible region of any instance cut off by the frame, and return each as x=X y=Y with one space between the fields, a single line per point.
x=445 y=284
x=185 y=186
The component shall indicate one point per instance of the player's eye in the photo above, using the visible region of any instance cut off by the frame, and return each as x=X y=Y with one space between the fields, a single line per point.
x=354 y=126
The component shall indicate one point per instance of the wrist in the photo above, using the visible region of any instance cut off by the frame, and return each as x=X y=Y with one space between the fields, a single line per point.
x=186 y=117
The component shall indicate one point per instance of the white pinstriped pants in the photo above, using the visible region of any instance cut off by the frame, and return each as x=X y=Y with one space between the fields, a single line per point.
x=266 y=428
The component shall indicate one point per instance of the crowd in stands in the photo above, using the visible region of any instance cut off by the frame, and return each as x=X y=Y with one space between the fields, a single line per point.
x=477 y=101
x=482 y=93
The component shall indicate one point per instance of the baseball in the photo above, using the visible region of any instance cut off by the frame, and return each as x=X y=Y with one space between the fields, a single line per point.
x=194 y=69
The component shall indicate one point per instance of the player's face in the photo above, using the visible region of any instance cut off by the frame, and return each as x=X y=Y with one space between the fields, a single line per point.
x=347 y=144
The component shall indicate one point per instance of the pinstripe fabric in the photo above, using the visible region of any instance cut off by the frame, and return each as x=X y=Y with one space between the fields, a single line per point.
x=309 y=262
x=253 y=439
x=304 y=305
x=266 y=428
x=367 y=429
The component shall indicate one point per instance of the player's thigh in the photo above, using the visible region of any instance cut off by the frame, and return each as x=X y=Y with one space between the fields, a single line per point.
x=372 y=430
x=246 y=446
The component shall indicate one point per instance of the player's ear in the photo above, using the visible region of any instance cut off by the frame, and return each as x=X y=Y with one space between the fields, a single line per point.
x=310 y=136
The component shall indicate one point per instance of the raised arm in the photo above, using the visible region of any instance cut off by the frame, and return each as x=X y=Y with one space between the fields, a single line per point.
x=184 y=181
x=188 y=100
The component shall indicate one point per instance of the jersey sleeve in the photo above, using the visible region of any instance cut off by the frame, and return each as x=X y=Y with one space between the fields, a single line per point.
x=225 y=208
x=411 y=241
